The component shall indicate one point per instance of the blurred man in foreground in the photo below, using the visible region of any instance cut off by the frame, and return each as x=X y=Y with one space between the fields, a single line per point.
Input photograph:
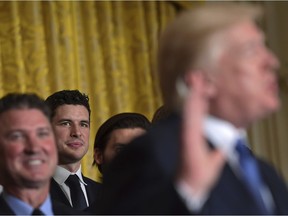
x=218 y=76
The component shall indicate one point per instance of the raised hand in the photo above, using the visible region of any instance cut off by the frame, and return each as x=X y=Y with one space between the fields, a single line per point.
x=200 y=166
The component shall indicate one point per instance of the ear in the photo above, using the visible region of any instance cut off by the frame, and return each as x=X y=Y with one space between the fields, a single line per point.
x=193 y=77
x=98 y=156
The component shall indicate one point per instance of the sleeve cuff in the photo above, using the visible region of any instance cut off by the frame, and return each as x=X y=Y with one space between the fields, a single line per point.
x=193 y=201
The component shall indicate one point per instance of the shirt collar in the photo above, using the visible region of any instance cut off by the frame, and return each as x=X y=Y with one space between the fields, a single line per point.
x=222 y=134
x=61 y=174
x=22 y=208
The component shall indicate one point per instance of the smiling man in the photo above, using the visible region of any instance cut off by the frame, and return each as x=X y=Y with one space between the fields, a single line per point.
x=28 y=157
x=71 y=125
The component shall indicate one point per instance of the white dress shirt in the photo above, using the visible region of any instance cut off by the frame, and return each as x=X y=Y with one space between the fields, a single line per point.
x=60 y=176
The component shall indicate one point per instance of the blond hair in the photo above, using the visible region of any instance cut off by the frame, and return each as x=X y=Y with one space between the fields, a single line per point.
x=190 y=42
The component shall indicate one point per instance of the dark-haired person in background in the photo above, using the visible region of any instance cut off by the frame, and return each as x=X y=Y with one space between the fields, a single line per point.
x=115 y=133
x=71 y=125
x=111 y=138
x=28 y=157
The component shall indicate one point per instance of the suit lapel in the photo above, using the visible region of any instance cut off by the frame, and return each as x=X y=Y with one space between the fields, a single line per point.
x=4 y=208
x=90 y=190
x=276 y=186
x=57 y=193
x=229 y=196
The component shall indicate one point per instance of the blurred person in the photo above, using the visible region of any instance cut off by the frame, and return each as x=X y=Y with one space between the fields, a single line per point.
x=28 y=157
x=71 y=125
x=115 y=133
x=219 y=77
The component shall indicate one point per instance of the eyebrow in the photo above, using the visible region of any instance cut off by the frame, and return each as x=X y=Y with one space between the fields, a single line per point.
x=70 y=120
x=61 y=120
x=21 y=130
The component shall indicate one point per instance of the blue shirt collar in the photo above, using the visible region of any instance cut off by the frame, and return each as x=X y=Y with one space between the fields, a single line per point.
x=21 y=208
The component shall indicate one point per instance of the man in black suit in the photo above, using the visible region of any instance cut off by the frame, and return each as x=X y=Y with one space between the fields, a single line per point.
x=71 y=125
x=218 y=76
x=28 y=157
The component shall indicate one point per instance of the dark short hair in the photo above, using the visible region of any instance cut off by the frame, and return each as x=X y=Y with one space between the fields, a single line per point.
x=67 y=97
x=161 y=113
x=119 y=121
x=24 y=101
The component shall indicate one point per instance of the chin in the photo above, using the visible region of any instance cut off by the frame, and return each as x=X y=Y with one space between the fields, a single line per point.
x=274 y=105
x=35 y=183
x=267 y=110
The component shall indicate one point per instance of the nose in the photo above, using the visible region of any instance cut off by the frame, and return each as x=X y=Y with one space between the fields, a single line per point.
x=75 y=131
x=272 y=60
x=31 y=145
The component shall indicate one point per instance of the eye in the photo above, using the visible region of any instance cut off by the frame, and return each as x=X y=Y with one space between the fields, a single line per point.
x=85 y=124
x=14 y=136
x=252 y=49
x=43 y=133
x=65 y=123
x=119 y=148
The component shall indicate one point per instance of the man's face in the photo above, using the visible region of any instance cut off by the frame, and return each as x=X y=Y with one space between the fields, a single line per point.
x=72 y=127
x=246 y=82
x=118 y=139
x=28 y=151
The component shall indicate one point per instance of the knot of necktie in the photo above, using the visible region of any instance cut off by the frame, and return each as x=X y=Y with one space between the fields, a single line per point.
x=247 y=162
x=72 y=180
x=242 y=149
x=37 y=211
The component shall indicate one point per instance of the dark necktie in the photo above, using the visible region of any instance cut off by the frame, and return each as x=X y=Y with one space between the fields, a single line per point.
x=251 y=174
x=37 y=211
x=77 y=195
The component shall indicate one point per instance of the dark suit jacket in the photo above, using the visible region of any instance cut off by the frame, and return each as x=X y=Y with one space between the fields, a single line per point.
x=58 y=208
x=140 y=180
x=92 y=189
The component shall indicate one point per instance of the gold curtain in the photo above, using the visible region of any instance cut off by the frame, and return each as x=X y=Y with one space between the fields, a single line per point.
x=106 y=49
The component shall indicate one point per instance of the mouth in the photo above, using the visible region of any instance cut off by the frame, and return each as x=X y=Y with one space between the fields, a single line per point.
x=75 y=144
x=273 y=87
x=34 y=162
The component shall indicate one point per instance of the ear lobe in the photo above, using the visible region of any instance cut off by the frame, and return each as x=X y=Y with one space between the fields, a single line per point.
x=98 y=156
